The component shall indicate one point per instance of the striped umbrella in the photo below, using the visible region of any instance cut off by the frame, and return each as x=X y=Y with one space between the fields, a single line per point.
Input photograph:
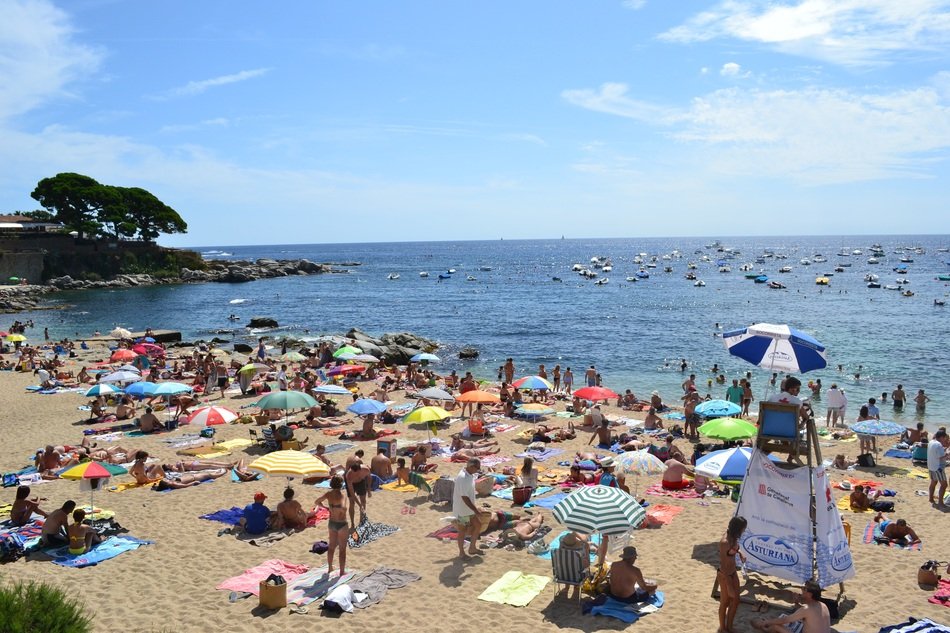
x=293 y=357
x=600 y=509
x=638 y=463
x=290 y=464
x=532 y=382
x=96 y=472
x=211 y=415
x=101 y=389
x=333 y=390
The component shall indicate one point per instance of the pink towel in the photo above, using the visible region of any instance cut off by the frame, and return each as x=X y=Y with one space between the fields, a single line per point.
x=251 y=579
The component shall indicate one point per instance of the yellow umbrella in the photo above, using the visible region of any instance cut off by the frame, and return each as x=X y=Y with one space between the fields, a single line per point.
x=16 y=338
x=427 y=414
x=290 y=464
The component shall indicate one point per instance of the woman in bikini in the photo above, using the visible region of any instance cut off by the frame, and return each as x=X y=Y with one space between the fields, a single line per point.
x=728 y=574
x=187 y=481
x=81 y=536
x=335 y=502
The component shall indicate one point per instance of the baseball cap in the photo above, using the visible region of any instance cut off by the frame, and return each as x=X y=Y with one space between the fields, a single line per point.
x=259 y=496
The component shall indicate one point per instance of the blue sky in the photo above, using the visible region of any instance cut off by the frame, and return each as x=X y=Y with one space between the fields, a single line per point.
x=303 y=121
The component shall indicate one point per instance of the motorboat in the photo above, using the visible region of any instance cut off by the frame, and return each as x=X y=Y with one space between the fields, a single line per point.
x=828 y=275
x=943 y=277
x=667 y=269
x=845 y=264
x=608 y=268
x=602 y=282
x=907 y=293
x=900 y=270
x=871 y=277
x=725 y=269
x=556 y=279
x=485 y=268
x=690 y=276
x=785 y=269
x=776 y=285
x=752 y=275
x=819 y=259
x=392 y=276
x=747 y=267
x=822 y=281
x=642 y=274
x=873 y=260
x=939 y=302
x=444 y=276
x=233 y=317
x=451 y=271
x=761 y=279
x=691 y=266
x=891 y=287
x=903 y=280
x=577 y=267
x=907 y=260
x=423 y=274
x=699 y=283
x=857 y=251
x=839 y=269
x=470 y=278
x=874 y=284
x=804 y=261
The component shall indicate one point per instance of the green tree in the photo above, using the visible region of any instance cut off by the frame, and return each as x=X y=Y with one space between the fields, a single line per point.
x=38 y=214
x=149 y=215
x=71 y=199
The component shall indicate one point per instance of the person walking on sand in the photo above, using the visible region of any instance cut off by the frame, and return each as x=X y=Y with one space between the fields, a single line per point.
x=335 y=501
x=568 y=380
x=463 y=507
x=728 y=574
x=936 y=464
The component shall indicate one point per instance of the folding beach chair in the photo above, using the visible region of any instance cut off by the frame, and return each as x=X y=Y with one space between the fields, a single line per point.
x=570 y=568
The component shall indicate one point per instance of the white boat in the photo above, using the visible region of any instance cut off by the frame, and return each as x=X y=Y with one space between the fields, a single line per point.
x=631 y=279
x=804 y=261
x=871 y=277
x=699 y=283
x=857 y=251
x=234 y=317
x=939 y=302
x=691 y=266
x=470 y=278
x=392 y=276
x=725 y=269
x=601 y=282
x=577 y=267
x=608 y=268
x=891 y=287
x=819 y=259
x=873 y=260
x=423 y=274
x=903 y=280
x=785 y=269
x=451 y=271
x=485 y=268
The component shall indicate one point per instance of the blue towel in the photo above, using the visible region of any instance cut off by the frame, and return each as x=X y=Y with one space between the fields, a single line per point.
x=898 y=453
x=546 y=502
x=231 y=517
x=109 y=548
x=235 y=478
x=505 y=493
x=623 y=611
x=556 y=543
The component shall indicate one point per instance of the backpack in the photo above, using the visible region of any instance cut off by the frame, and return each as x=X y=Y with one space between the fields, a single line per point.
x=867 y=460
x=11 y=547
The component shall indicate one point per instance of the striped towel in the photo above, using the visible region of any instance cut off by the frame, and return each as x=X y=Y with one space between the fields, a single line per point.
x=872 y=532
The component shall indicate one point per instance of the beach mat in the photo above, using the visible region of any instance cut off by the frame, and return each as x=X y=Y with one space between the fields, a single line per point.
x=367 y=532
x=231 y=516
x=624 y=611
x=315 y=584
x=515 y=588
x=898 y=453
x=942 y=595
x=660 y=515
x=446 y=533
x=546 y=502
x=844 y=505
x=238 y=442
x=506 y=493
x=397 y=487
x=540 y=456
x=249 y=581
x=129 y=485
x=236 y=479
x=109 y=548
x=872 y=531
x=914 y=625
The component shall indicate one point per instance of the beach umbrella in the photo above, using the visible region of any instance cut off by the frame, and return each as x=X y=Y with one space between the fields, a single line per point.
x=731 y=463
x=347 y=349
x=122 y=355
x=599 y=509
x=254 y=367
x=148 y=349
x=366 y=406
x=171 y=389
x=131 y=368
x=141 y=389
x=342 y=370
x=477 y=395
x=534 y=409
x=425 y=356
x=532 y=382
x=426 y=414
x=365 y=358
x=4 y=334
x=877 y=427
x=347 y=356
x=120 y=332
x=434 y=393
x=100 y=389
x=211 y=416
x=595 y=393
x=293 y=357
x=121 y=376
x=728 y=429
x=717 y=409
x=290 y=464
x=145 y=339
x=286 y=400
x=641 y=462
x=15 y=338
x=95 y=472
x=333 y=390
x=776 y=348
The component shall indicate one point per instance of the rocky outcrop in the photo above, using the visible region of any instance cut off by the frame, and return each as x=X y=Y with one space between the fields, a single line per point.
x=468 y=353
x=20 y=298
x=396 y=347
x=262 y=322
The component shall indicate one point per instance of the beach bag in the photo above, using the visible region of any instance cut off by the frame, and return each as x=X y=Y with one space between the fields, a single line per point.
x=273 y=592
x=927 y=574
x=320 y=547
x=521 y=494
x=883 y=506
x=10 y=479
x=11 y=547
x=537 y=547
x=208 y=431
x=866 y=460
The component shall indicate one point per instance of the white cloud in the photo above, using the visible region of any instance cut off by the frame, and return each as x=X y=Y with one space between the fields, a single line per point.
x=635 y=5
x=730 y=69
x=848 y=32
x=38 y=56
x=809 y=136
x=197 y=87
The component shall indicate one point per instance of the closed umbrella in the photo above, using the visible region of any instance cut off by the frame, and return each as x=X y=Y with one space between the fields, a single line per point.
x=776 y=348
x=477 y=395
x=434 y=393
x=595 y=394
x=100 y=389
x=366 y=406
x=718 y=409
x=211 y=416
x=728 y=429
x=599 y=509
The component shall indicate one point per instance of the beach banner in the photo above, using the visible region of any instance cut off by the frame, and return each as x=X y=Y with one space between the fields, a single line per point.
x=834 y=554
x=775 y=502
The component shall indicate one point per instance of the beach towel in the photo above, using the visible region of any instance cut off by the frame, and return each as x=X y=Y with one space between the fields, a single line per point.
x=556 y=544
x=942 y=595
x=898 y=453
x=515 y=588
x=493 y=460
x=546 y=502
x=5 y=509
x=109 y=548
x=854 y=481
x=873 y=532
x=204 y=452
x=237 y=479
x=844 y=504
x=506 y=493
x=540 y=455
x=339 y=446
x=238 y=442
x=375 y=584
x=97 y=514
x=367 y=532
x=358 y=436
x=917 y=473
x=315 y=584
x=658 y=490
x=128 y=485
x=501 y=427
x=659 y=515
x=624 y=611
x=448 y=532
x=230 y=516
x=913 y=625
x=249 y=581
x=397 y=487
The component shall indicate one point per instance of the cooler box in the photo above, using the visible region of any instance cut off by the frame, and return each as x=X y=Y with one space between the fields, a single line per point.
x=388 y=446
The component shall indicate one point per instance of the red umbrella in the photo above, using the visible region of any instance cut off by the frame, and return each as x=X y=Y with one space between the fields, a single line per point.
x=122 y=355
x=595 y=393
x=149 y=349
x=210 y=416
x=346 y=369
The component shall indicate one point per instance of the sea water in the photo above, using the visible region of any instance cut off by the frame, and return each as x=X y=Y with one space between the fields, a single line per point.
x=634 y=333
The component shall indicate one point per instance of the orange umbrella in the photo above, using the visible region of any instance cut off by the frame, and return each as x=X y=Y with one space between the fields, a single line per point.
x=122 y=355
x=476 y=395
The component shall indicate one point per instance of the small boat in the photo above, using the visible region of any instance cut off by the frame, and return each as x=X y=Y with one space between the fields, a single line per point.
x=485 y=268
x=233 y=317
x=470 y=278
x=690 y=276
x=699 y=283
x=819 y=259
x=828 y=275
x=642 y=274
x=943 y=277
x=761 y=279
x=907 y=293
x=907 y=260
x=891 y=287
x=857 y=251
x=776 y=285
x=602 y=282
x=804 y=261
x=667 y=269
x=691 y=266
x=556 y=279
x=577 y=267
x=939 y=302
x=423 y=274
x=874 y=284
x=752 y=275
x=873 y=260
x=902 y=280
x=725 y=269
x=608 y=268
x=900 y=270
x=870 y=277
x=392 y=276
x=785 y=269
x=631 y=279
x=451 y=271
x=444 y=276
x=839 y=269
x=822 y=281
x=845 y=264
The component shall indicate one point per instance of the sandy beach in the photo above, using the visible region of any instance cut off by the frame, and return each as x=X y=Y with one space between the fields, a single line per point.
x=170 y=585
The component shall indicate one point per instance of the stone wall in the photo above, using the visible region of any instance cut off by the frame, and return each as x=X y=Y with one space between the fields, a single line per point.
x=25 y=265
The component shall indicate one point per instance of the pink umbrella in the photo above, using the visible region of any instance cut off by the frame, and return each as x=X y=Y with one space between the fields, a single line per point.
x=346 y=369
x=211 y=415
x=149 y=349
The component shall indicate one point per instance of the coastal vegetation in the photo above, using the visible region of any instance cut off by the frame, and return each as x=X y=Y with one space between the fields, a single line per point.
x=26 y=607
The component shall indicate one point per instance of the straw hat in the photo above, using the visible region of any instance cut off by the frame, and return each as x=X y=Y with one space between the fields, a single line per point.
x=607 y=462
x=569 y=540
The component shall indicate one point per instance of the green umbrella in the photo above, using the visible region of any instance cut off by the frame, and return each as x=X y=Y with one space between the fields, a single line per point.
x=599 y=509
x=14 y=279
x=728 y=429
x=292 y=357
x=347 y=349
x=286 y=400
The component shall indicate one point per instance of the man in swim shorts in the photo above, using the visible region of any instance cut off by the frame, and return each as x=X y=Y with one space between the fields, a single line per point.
x=813 y=614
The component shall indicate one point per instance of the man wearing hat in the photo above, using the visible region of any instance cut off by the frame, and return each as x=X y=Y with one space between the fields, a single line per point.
x=257 y=516
x=607 y=477
x=626 y=579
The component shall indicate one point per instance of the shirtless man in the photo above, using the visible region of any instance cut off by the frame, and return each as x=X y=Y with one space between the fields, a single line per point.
x=54 y=529
x=602 y=433
x=896 y=531
x=187 y=481
x=290 y=514
x=626 y=580
x=420 y=460
x=126 y=409
x=51 y=460
x=359 y=481
x=673 y=477
x=465 y=454
x=144 y=474
x=355 y=458
x=149 y=422
x=652 y=421
x=813 y=614
x=381 y=465
x=458 y=443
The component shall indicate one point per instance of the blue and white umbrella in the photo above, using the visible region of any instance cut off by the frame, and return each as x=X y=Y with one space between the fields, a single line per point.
x=366 y=406
x=877 y=427
x=730 y=463
x=121 y=376
x=425 y=356
x=776 y=348
x=718 y=409
x=100 y=389
x=332 y=390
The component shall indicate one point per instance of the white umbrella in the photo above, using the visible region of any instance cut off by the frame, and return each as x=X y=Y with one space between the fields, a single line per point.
x=120 y=332
x=121 y=376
